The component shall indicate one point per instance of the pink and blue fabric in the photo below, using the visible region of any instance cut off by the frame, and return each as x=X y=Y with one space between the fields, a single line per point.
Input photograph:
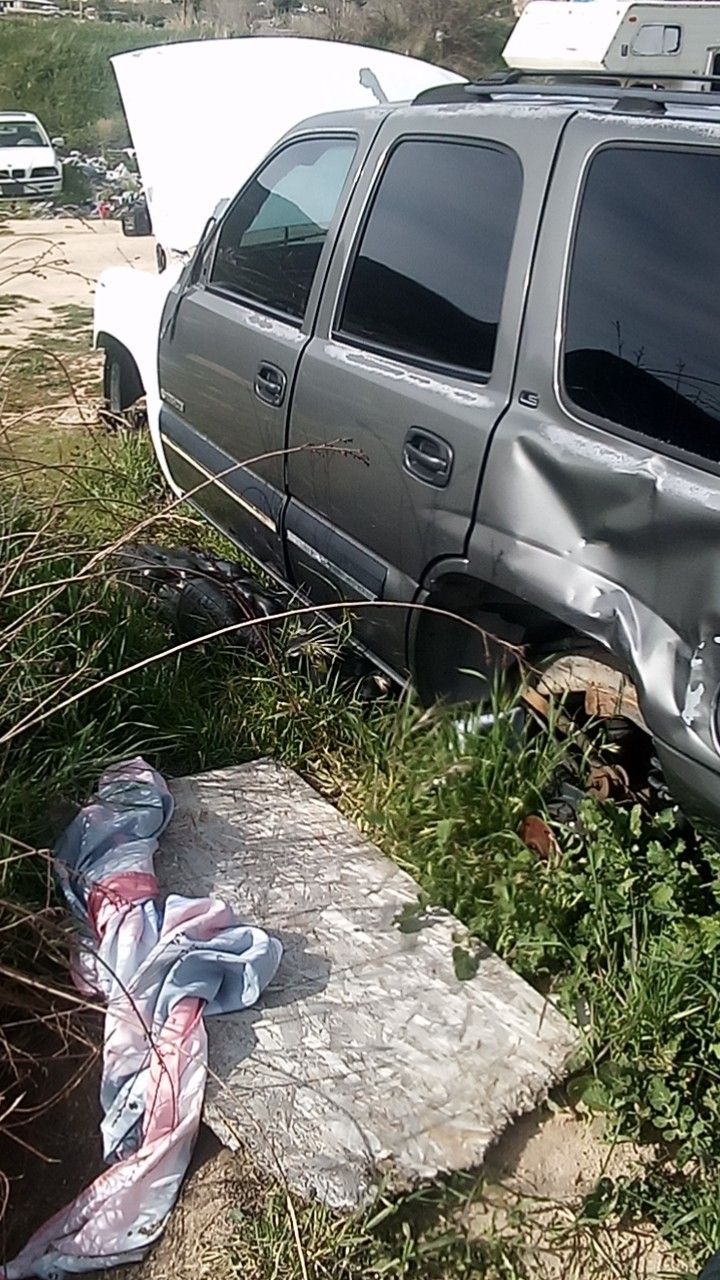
x=161 y=968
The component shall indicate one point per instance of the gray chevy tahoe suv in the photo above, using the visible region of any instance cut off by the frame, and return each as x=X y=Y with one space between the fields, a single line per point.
x=506 y=299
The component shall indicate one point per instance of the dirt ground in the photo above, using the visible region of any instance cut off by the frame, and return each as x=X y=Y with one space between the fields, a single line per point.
x=49 y=264
x=546 y=1163
x=543 y=1166
x=53 y=1151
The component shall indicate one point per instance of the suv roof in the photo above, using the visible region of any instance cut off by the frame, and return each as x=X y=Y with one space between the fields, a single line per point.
x=600 y=89
x=518 y=90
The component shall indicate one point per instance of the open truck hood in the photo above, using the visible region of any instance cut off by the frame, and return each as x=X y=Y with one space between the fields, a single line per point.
x=202 y=114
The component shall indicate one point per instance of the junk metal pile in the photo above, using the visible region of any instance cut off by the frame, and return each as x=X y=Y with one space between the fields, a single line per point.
x=202 y=594
x=111 y=185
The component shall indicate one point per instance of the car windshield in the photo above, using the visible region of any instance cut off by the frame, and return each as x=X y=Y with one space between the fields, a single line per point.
x=20 y=133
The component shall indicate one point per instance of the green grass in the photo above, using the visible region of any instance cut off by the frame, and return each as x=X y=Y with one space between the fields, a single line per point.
x=10 y=303
x=61 y=72
x=620 y=926
x=75 y=321
x=425 y=1235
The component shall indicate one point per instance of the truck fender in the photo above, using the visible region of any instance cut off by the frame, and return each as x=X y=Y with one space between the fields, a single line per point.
x=129 y=305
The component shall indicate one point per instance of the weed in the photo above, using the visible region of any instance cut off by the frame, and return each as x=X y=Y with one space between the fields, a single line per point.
x=619 y=923
x=684 y=1206
x=621 y=926
x=61 y=72
x=418 y=1236
x=76 y=320
x=11 y=302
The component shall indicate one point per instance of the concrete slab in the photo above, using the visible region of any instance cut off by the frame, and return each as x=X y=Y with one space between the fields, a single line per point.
x=368 y=1058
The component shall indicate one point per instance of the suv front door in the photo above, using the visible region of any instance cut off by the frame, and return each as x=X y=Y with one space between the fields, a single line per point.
x=412 y=359
x=231 y=340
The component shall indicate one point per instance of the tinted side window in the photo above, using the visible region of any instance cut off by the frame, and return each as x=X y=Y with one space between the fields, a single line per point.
x=270 y=242
x=643 y=314
x=429 y=276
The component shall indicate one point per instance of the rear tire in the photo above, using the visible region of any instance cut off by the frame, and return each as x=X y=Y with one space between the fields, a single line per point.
x=113 y=380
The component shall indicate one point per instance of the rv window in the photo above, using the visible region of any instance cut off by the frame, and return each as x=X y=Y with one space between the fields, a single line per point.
x=643 y=309
x=654 y=40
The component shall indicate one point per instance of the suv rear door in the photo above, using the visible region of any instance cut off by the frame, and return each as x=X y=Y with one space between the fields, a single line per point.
x=412 y=359
x=232 y=337
x=601 y=498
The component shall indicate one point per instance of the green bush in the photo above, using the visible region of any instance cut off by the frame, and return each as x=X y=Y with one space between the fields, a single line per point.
x=472 y=32
x=61 y=72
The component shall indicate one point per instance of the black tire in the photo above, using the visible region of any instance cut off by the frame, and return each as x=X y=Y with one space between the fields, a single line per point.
x=113 y=381
x=203 y=606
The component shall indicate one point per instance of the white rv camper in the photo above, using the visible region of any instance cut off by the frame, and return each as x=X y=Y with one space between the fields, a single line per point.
x=661 y=41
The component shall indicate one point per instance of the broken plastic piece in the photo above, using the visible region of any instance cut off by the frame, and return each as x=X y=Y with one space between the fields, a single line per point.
x=539 y=837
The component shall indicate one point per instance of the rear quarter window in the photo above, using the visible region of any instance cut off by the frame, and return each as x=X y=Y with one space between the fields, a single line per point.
x=641 y=342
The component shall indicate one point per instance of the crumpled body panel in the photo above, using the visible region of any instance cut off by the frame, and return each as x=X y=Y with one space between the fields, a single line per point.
x=606 y=525
x=617 y=543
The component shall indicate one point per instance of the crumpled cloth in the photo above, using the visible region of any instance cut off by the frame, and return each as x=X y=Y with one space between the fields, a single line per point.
x=160 y=968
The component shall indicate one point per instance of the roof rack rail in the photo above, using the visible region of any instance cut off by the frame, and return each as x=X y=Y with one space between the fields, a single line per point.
x=514 y=74
x=589 y=84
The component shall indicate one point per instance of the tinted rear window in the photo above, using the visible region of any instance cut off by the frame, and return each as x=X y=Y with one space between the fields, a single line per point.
x=642 y=333
x=429 y=277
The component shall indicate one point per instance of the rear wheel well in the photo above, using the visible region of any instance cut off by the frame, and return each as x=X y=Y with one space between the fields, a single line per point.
x=122 y=383
x=454 y=662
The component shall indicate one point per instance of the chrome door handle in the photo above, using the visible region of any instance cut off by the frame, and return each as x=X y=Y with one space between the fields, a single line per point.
x=270 y=384
x=427 y=457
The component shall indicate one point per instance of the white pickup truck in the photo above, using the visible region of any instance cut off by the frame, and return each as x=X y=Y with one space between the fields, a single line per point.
x=203 y=115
